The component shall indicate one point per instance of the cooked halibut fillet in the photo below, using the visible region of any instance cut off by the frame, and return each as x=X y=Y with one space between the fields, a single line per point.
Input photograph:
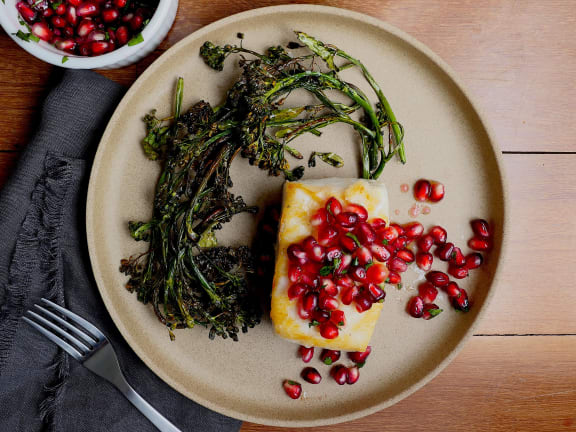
x=301 y=200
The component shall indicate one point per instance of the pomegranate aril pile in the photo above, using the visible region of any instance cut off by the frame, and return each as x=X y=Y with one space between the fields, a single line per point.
x=428 y=190
x=342 y=263
x=85 y=27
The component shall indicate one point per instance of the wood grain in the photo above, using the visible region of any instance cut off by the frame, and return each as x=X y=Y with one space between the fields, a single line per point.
x=517 y=57
x=495 y=384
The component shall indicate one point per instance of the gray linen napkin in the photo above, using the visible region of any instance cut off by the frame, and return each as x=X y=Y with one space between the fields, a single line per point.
x=43 y=254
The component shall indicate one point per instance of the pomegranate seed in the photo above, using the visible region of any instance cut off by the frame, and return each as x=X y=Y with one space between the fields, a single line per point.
x=328 y=286
x=26 y=11
x=42 y=31
x=348 y=243
x=120 y=3
x=87 y=9
x=478 y=244
x=320 y=315
x=365 y=233
x=406 y=255
x=292 y=389
x=344 y=264
x=439 y=234
x=376 y=292
x=321 y=217
x=297 y=254
x=333 y=253
x=377 y=273
x=329 y=330
x=413 y=230
x=425 y=243
x=329 y=356
x=317 y=253
x=60 y=9
x=460 y=302
x=71 y=16
x=310 y=301
x=345 y=281
x=302 y=313
x=400 y=242
x=306 y=353
x=75 y=3
x=436 y=191
x=136 y=22
x=126 y=18
x=311 y=375
x=444 y=252
x=333 y=206
x=327 y=235
x=47 y=13
x=294 y=273
x=85 y=27
x=397 y=265
x=110 y=15
x=96 y=35
x=431 y=310
x=438 y=278
x=353 y=374
x=458 y=272
x=424 y=260
x=422 y=190
x=329 y=303
x=340 y=374
x=347 y=219
x=363 y=302
x=389 y=234
x=358 y=273
x=427 y=292
x=399 y=228
x=58 y=22
x=67 y=45
x=338 y=317
x=359 y=210
x=457 y=257
x=69 y=31
x=296 y=290
x=359 y=357
x=415 y=307
x=473 y=261
x=480 y=228
x=452 y=289
x=349 y=294
x=378 y=224
x=85 y=50
x=394 y=278
x=363 y=255
x=380 y=252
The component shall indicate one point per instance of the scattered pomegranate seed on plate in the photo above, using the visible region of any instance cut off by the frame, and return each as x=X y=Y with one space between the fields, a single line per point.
x=437 y=191
x=422 y=189
x=427 y=292
x=311 y=375
x=416 y=306
x=481 y=228
x=292 y=389
x=479 y=244
x=424 y=260
x=329 y=357
x=458 y=272
x=439 y=234
x=340 y=374
x=353 y=375
x=438 y=278
x=473 y=261
x=306 y=353
x=359 y=357
x=431 y=310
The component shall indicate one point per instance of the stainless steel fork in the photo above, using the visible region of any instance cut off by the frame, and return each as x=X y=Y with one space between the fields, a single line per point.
x=91 y=347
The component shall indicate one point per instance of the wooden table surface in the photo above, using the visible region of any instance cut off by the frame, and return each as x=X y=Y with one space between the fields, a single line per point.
x=518 y=58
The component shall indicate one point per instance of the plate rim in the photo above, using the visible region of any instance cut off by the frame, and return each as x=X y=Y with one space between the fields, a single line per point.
x=438 y=62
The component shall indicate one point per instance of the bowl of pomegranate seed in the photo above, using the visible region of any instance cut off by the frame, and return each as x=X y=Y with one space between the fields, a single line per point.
x=88 y=34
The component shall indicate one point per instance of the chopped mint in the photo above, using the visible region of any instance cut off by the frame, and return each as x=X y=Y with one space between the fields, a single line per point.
x=65 y=59
x=368 y=265
x=328 y=361
x=26 y=37
x=136 y=40
x=353 y=237
x=325 y=271
x=435 y=312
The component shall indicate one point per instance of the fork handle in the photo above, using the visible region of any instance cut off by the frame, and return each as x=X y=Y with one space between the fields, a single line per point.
x=148 y=410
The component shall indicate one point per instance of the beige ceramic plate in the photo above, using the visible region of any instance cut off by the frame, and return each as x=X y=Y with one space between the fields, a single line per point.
x=446 y=140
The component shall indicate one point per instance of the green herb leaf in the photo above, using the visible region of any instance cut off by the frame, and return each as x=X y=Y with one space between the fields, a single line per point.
x=368 y=265
x=353 y=237
x=328 y=361
x=355 y=261
x=136 y=40
x=325 y=271
x=313 y=323
x=384 y=242
x=399 y=286
x=435 y=312
x=65 y=59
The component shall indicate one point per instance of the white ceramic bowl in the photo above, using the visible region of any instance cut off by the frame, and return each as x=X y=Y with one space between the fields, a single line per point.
x=153 y=34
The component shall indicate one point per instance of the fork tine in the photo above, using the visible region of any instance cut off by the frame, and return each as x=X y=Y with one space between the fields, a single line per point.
x=61 y=343
x=58 y=330
x=79 y=320
x=90 y=340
